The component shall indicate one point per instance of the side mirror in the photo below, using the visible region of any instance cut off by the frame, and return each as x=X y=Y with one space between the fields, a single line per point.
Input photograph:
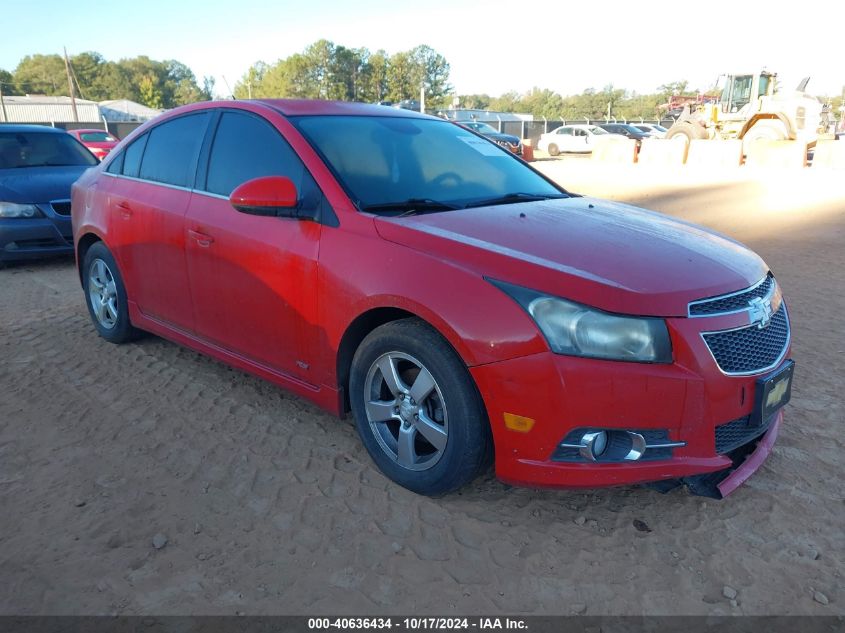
x=269 y=196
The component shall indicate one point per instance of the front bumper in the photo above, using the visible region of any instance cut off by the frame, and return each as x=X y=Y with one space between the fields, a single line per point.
x=35 y=238
x=684 y=402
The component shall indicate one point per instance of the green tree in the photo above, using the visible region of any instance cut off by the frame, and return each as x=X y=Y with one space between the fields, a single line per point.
x=7 y=83
x=41 y=74
x=374 y=82
x=508 y=102
x=149 y=92
x=403 y=77
x=432 y=72
x=475 y=102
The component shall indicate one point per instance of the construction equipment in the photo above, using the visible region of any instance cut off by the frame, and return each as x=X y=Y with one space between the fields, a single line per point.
x=749 y=108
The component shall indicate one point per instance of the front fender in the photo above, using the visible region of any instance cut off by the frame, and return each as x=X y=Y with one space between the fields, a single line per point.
x=481 y=323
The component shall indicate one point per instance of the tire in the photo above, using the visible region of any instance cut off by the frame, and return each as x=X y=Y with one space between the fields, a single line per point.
x=766 y=129
x=553 y=150
x=447 y=438
x=105 y=295
x=687 y=130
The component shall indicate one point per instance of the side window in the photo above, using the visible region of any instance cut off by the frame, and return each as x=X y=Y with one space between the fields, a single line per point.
x=565 y=130
x=246 y=147
x=171 y=153
x=132 y=156
x=116 y=164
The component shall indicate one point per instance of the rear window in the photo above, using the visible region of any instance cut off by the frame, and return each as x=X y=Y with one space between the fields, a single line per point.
x=42 y=149
x=98 y=137
x=171 y=153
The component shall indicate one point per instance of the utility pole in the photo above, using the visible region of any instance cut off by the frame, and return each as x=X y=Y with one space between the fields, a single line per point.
x=70 y=87
x=422 y=98
x=3 y=105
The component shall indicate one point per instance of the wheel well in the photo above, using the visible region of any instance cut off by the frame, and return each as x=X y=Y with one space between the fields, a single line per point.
x=85 y=242
x=761 y=116
x=357 y=332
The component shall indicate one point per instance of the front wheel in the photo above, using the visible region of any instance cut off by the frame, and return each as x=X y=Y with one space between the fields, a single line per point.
x=553 y=150
x=417 y=409
x=105 y=295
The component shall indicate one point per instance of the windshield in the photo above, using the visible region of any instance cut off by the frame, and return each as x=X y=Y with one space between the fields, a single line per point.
x=42 y=149
x=385 y=160
x=97 y=137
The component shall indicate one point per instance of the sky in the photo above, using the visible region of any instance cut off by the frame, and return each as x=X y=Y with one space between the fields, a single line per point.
x=492 y=47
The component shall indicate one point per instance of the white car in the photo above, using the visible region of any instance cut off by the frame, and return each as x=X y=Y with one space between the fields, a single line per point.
x=570 y=138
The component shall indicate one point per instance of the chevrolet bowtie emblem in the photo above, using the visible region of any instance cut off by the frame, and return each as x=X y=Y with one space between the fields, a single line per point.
x=760 y=311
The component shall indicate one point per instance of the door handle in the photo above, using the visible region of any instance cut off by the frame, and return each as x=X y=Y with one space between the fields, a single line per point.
x=201 y=238
x=125 y=209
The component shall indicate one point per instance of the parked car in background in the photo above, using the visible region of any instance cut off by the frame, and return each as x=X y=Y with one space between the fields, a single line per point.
x=625 y=129
x=656 y=130
x=578 y=137
x=38 y=165
x=508 y=141
x=99 y=142
x=459 y=303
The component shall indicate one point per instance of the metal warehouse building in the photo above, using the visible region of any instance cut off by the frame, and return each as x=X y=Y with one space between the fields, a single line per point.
x=42 y=109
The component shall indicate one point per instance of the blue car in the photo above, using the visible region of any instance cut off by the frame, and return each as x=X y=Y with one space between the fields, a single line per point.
x=38 y=165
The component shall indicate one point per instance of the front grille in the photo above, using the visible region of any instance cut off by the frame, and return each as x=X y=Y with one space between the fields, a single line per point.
x=731 y=303
x=751 y=349
x=62 y=207
x=738 y=432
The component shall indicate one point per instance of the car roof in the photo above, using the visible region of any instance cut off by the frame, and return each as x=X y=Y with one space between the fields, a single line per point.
x=297 y=107
x=87 y=130
x=18 y=127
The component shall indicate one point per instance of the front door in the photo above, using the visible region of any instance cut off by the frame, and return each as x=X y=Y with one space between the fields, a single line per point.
x=253 y=279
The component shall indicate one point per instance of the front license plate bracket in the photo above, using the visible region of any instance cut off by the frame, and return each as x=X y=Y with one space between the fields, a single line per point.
x=771 y=393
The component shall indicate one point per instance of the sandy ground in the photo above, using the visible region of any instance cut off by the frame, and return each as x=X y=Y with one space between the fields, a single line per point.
x=271 y=506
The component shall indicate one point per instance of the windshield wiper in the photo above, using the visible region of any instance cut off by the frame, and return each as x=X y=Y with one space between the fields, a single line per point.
x=411 y=206
x=511 y=198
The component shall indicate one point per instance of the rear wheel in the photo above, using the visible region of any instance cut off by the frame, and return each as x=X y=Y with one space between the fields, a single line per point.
x=105 y=295
x=553 y=150
x=417 y=409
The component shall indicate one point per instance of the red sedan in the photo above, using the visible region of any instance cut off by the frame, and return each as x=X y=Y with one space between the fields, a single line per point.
x=98 y=142
x=462 y=306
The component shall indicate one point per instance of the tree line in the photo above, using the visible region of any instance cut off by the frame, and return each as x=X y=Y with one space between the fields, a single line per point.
x=325 y=70
x=156 y=84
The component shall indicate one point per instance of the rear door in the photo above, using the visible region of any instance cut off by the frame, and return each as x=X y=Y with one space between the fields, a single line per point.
x=148 y=202
x=253 y=279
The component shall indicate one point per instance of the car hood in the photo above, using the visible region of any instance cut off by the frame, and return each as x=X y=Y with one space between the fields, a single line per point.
x=38 y=184
x=507 y=138
x=609 y=255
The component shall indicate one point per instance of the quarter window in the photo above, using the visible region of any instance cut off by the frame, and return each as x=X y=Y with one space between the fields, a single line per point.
x=116 y=165
x=171 y=152
x=132 y=157
x=246 y=147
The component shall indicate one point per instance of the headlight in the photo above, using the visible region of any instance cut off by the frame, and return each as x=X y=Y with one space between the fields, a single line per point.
x=14 y=210
x=578 y=330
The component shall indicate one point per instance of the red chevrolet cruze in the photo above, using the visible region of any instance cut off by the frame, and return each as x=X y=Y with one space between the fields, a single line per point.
x=460 y=304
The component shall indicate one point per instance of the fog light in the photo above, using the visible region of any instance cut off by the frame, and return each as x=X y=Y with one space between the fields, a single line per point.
x=593 y=445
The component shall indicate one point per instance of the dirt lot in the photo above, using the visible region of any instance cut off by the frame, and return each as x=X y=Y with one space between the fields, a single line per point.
x=270 y=506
